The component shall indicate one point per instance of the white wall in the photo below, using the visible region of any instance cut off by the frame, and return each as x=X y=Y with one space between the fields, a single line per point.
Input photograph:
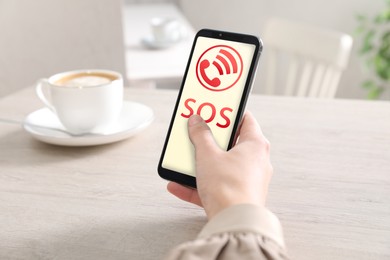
x=249 y=16
x=43 y=37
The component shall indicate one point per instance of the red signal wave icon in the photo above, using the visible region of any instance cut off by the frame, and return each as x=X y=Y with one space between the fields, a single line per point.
x=223 y=72
x=225 y=62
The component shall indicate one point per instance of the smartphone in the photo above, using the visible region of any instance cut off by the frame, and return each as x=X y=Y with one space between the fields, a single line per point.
x=216 y=84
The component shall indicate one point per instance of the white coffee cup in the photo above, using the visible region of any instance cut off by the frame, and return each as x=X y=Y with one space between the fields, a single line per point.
x=166 y=29
x=85 y=101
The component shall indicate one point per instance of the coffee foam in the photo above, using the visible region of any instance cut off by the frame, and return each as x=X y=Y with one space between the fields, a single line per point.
x=85 y=80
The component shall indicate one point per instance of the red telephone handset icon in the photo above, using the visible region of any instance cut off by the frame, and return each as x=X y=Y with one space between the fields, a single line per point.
x=215 y=82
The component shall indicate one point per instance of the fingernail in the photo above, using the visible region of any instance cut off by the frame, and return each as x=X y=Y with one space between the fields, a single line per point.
x=194 y=119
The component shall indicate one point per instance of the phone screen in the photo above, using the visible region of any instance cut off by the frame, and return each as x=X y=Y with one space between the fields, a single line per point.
x=215 y=87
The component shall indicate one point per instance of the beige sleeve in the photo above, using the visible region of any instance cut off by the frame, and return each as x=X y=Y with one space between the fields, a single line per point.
x=240 y=232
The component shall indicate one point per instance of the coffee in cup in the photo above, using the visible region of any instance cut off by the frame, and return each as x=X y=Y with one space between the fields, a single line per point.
x=85 y=79
x=85 y=101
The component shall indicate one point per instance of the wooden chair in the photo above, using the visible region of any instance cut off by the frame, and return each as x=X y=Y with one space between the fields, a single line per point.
x=43 y=37
x=305 y=60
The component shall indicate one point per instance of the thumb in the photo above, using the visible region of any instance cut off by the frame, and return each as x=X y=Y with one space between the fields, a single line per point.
x=200 y=135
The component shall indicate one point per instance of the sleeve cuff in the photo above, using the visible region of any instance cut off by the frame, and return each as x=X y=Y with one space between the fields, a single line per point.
x=245 y=218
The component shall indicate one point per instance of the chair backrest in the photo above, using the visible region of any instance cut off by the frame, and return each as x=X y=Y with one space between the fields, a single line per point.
x=305 y=60
x=44 y=37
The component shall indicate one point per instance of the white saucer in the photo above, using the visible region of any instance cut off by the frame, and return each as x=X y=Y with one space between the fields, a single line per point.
x=151 y=43
x=41 y=124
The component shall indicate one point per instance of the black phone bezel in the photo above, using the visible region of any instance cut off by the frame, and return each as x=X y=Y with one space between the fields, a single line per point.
x=185 y=179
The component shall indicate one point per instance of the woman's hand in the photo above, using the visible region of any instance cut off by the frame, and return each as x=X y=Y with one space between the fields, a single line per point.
x=226 y=178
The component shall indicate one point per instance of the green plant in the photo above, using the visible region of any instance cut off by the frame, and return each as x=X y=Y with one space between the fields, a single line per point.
x=375 y=50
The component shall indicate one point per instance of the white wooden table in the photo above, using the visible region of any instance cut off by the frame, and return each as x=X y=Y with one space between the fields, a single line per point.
x=331 y=187
x=148 y=66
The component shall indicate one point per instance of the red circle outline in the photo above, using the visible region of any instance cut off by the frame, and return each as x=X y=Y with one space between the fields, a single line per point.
x=216 y=46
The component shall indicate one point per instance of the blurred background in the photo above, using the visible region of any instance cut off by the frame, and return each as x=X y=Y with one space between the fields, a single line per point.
x=43 y=37
x=250 y=16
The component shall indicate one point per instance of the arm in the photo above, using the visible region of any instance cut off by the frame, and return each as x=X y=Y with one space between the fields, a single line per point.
x=232 y=188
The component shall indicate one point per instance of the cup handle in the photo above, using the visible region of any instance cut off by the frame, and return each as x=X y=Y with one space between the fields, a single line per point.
x=41 y=89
